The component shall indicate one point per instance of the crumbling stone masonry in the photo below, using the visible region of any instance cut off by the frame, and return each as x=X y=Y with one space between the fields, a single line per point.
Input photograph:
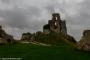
x=56 y=25
x=26 y=36
x=84 y=43
x=4 y=37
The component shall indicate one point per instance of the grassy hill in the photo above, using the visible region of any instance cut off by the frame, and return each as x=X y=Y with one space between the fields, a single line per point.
x=38 y=52
x=55 y=39
x=61 y=49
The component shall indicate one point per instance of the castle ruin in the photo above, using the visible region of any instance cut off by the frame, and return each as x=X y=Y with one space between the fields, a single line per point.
x=55 y=25
x=4 y=37
x=84 y=43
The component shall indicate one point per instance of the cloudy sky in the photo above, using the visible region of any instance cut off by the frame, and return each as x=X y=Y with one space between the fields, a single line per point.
x=18 y=16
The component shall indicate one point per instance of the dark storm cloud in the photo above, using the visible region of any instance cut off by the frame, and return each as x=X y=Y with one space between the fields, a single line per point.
x=6 y=1
x=77 y=15
x=19 y=20
x=31 y=15
x=85 y=12
x=83 y=15
x=18 y=17
x=80 y=21
x=10 y=1
x=55 y=7
x=14 y=18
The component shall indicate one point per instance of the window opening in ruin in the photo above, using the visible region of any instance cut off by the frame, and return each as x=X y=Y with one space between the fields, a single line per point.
x=55 y=25
x=56 y=18
x=1 y=35
x=9 y=40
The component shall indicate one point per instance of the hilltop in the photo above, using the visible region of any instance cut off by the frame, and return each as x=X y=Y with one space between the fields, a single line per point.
x=54 y=33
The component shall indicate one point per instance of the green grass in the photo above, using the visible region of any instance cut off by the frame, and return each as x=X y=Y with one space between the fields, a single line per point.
x=37 y=52
x=51 y=38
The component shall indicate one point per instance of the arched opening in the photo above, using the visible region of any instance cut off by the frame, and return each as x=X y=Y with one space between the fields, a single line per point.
x=9 y=40
x=56 y=18
x=55 y=25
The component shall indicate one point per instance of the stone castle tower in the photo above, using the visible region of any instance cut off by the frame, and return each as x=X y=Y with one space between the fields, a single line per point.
x=56 y=25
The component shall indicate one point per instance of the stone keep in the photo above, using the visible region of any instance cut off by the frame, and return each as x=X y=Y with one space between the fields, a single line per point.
x=56 y=25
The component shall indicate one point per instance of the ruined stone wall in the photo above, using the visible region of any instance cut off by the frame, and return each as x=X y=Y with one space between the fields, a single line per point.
x=26 y=36
x=56 y=25
x=46 y=28
x=4 y=37
x=64 y=28
x=84 y=43
x=46 y=31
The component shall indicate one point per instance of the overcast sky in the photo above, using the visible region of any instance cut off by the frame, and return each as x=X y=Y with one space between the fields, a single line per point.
x=18 y=16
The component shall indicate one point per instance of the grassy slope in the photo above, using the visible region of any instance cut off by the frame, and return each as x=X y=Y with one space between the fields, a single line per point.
x=36 y=52
x=52 y=38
